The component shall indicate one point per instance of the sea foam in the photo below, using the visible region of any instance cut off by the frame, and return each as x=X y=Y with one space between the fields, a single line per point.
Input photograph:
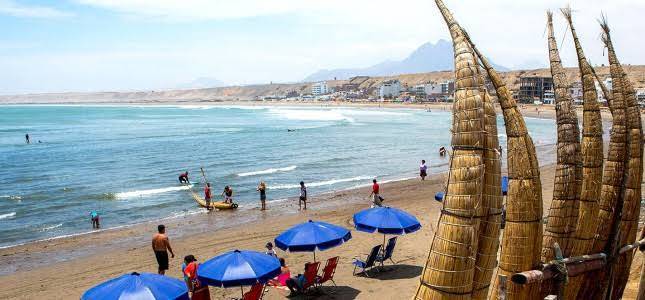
x=319 y=183
x=7 y=216
x=268 y=171
x=140 y=193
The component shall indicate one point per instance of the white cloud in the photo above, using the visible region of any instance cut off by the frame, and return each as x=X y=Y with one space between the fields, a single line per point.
x=13 y=8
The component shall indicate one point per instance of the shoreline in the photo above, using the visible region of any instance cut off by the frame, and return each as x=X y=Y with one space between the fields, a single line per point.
x=527 y=110
x=111 y=253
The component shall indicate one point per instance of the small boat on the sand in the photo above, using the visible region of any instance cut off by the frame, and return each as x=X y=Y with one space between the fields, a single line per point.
x=214 y=204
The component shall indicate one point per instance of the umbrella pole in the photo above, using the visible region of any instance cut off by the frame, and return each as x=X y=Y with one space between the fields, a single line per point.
x=314 y=255
x=242 y=289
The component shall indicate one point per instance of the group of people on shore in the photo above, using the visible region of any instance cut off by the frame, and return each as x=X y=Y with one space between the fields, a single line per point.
x=161 y=248
x=227 y=194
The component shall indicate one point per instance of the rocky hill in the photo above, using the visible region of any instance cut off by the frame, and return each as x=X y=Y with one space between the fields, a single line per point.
x=251 y=92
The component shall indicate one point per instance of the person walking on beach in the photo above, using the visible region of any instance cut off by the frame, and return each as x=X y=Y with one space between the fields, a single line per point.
x=161 y=247
x=375 y=195
x=183 y=178
x=423 y=170
x=303 y=195
x=197 y=289
x=207 y=196
x=27 y=138
x=228 y=194
x=270 y=251
x=262 y=188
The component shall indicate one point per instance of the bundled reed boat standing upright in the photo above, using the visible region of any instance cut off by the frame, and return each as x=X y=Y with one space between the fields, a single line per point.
x=612 y=192
x=592 y=162
x=491 y=218
x=630 y=211
x=563 y=212
x=522 y=238
x=449 y=270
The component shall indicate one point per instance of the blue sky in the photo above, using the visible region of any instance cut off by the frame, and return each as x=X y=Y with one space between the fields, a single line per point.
x=99 y=45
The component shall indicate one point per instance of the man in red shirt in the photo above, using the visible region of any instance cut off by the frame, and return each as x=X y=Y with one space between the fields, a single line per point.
x=207 y=196
x=376 y=198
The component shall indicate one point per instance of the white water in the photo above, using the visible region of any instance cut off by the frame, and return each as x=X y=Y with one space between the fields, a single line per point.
x=9 y=215
x=140 y=193
x=319 y=183
x=268 y=171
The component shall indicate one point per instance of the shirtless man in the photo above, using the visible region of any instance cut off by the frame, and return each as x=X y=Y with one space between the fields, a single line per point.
x=161 y=247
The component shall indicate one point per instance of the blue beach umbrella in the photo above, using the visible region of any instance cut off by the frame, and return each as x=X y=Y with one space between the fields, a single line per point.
x=438 y=196
x=504 y=185
x=311 y=236
x=386 y=220
x=144 y=286
x=238 y=268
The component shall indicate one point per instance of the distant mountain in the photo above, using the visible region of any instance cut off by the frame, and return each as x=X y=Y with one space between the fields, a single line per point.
x=427 y=58
x=202 y=82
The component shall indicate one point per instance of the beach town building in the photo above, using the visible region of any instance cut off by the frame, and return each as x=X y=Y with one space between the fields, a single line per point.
x=448 y=87
x=534 y=88
x=576 y=92
x=320 y=88
x=389 y=89
x=640 y=97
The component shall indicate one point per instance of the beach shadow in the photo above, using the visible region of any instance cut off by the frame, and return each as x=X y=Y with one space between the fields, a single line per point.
x=400 y=271
x=331 y=292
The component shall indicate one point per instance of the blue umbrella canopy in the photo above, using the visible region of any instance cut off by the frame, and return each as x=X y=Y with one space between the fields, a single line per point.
x=439 y=196
x=386 y=220
x=312 y=236
x=145 y=286
x=504 y=185
x=238 y=268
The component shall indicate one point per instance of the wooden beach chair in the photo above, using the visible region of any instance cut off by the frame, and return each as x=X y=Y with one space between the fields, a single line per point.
x=368 y=263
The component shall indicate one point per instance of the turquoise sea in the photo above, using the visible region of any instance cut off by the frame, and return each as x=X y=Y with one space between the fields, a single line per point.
x=124 y=160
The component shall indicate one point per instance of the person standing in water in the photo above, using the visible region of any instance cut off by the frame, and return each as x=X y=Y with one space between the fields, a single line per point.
x=94 y=216
x=262 y=188
x=161 y=247
x=207 y=196
x=27 y=138
x=228 y=194
x=423 y=170
x=375 y=195
x=303 y=195
x=183 y=178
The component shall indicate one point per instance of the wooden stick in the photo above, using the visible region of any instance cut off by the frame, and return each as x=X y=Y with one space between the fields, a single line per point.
x=575 y=266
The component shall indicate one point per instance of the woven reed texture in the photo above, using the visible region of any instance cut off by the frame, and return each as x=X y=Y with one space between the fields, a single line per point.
x=632 y=185
x=563 y=212
x=612 y=192
x=592 y=162
x=522 y=238
x=449 y=270
x=490 y=226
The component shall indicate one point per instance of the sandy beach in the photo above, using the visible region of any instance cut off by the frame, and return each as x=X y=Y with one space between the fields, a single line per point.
x=64 y=268
x=97 y=257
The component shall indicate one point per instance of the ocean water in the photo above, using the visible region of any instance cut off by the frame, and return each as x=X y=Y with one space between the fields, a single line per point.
x=124 y=160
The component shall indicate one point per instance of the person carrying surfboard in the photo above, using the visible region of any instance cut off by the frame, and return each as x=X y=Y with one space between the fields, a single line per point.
x=207 y=196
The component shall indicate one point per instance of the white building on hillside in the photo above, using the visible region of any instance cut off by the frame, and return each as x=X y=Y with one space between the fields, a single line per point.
x=320 y=88
x=389 y=89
